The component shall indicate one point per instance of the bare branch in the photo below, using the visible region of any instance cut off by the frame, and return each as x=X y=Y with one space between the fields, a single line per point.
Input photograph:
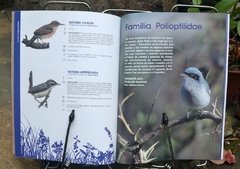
x=151 y=109
x=121 y=114
x=125 y=99
x=145 y=154
x=152 y=134
x=204 y=115
x=137 y=134
x=215 y=132
x=121 y=140
x=215 y=107
x=35 y=45
x=212 y=133
x=136 y=147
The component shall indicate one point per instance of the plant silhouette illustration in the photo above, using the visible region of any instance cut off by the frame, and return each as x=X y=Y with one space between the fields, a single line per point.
x=36 y=144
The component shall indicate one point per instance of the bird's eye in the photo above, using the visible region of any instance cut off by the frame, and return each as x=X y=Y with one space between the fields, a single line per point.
x=193 y=76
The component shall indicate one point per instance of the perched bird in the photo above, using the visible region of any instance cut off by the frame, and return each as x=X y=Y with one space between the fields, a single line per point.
x=41 y=90
x=195 y=91
x=44 y=32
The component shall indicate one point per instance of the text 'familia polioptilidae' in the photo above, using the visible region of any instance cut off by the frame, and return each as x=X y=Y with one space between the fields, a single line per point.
x=164 y=26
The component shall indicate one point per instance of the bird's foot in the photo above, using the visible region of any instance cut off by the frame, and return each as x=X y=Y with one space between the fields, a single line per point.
x=46 y=104
x=41 y=104
x=37 y=100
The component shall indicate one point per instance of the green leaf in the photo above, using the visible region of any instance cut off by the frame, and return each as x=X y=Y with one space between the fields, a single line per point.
x=235 y=12
x=193 y=10
x=196 y=2
x=233 y=24
x=225 y=5
x=238 y=28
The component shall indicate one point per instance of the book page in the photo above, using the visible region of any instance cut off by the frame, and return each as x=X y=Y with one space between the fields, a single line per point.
x=172 y=66
x=67 y=61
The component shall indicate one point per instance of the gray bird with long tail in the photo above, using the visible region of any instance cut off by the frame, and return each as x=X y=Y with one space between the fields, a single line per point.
x=41 y=90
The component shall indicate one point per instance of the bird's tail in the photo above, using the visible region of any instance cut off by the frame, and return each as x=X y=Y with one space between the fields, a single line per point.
x=30 y=81
x=30 y=42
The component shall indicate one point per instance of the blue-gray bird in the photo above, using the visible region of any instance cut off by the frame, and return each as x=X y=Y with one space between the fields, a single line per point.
x=195 y=91
x=44 y=32
x=41 y=90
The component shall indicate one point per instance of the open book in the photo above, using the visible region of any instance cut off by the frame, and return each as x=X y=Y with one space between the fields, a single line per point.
x=119 y=75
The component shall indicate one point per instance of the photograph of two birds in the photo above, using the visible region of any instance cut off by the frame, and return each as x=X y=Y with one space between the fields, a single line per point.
x=40 y=40
x=197 y=83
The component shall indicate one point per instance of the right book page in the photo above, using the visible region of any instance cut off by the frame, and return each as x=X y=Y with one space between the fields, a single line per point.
x=172 y=63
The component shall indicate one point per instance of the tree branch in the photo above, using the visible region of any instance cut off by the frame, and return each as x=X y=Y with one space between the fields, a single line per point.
x=35 y=45
x=121 y=114
x=204 y=115
x=157 y=131
x=152 y=134
x=135 y=146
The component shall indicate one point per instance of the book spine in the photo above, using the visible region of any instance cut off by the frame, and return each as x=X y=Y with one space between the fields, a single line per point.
x=16 y=81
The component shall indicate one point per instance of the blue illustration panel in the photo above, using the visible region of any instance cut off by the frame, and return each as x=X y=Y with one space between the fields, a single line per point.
x=35 y=144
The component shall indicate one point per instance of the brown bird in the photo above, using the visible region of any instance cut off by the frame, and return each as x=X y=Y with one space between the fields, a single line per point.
x=44 y=32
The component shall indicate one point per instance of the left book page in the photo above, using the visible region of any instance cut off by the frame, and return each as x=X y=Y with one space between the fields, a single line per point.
x=64 y=61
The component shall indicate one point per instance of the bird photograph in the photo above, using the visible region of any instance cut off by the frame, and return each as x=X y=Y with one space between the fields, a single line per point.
x=195 y=91
x=191 y=94
x=43 y=32
x=41 y=90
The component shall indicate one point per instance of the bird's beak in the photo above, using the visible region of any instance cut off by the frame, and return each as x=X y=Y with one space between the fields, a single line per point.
x=61 y=24
x=183 y=75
